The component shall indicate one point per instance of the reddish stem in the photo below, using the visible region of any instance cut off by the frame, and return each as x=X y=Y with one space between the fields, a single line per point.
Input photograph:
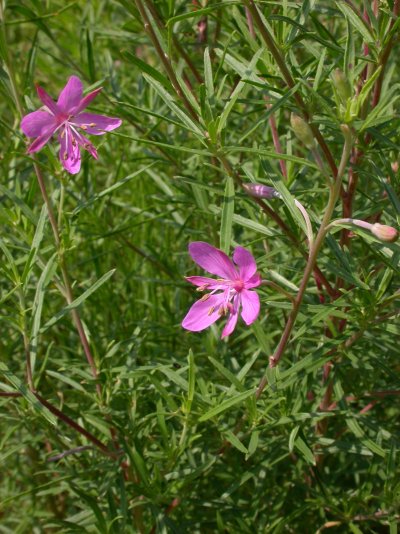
x=70 y=422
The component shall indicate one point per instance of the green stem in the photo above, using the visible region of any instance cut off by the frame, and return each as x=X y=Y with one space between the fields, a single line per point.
x=64 y=271
x=271 y=213
x=61 y=206
x=8 y=62
x=333 y=196
x=282 y=64
x=218 y=153
x=52 y=219
x=70 y=422
x=165 y=59
x=324 y=228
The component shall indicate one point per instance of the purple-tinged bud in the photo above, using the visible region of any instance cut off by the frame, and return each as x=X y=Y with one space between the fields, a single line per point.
x=385 y=233
x=302 y=130
x=342 y=85
x=261 y=191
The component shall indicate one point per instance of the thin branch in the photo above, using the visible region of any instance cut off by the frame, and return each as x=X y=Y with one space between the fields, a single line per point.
x=315 y=249
x=281 y=62
x=165 y=59
x=70 y=422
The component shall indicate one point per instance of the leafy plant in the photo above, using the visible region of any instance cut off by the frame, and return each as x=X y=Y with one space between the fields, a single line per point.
x=271 y=126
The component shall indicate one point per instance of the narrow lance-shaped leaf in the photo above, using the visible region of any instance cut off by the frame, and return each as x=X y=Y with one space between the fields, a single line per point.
x=228 y=209
x=77 y=302
x=225 y=405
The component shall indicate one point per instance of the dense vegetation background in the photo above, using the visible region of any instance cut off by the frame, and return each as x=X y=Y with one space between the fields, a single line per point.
x=176 y=440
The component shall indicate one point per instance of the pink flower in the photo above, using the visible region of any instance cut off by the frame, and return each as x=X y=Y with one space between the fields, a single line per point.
x=65 y=117
x=234 y=286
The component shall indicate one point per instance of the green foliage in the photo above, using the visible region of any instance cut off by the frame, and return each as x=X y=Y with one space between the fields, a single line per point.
x=175 y=435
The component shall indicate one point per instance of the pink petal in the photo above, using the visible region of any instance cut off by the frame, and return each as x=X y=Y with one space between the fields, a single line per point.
x=71 y=95
x=247 y=264
x=232 y=319
x=86 y=100
x=199 y=316
x=254 y=281
x=70 y=156
x=48 y=101
x=85 y=143
x=34 y=124
x=212 y=260
x=250 y=306
x=96 y=124
x=205 y=281
x=40 y=141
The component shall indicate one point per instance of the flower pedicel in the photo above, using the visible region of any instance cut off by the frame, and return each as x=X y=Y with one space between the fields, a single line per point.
x=229 y=294
x=66 y=118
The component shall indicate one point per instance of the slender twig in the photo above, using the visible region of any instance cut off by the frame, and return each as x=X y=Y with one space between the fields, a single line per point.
x=62 y=455
x=273 y=215
x=358 y=153
x=70 y=422
x=278 y=288
x=385 y=56
x=276 y=141
x=176 y=43
x=67 y=284
x=8 y=64
x=250 y=24
x=53 y=223
x=334 y=193
x=218 y=153
x=280 y=60
x=165 y=60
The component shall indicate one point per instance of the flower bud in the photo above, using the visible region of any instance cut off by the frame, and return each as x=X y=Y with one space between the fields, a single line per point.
x=302 y=130
x=342 y=85
x=261 y=191
x=385 y=233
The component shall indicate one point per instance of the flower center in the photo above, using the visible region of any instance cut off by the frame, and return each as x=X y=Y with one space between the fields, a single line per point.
x=62 y=118
x=238 y=285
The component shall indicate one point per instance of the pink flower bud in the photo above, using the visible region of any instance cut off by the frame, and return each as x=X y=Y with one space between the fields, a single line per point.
x=261 y=191
x=385 y=233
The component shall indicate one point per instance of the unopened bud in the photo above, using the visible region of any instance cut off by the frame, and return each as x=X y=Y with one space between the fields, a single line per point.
x=385 y=233
x=302 y=130
x=342 y=85
x=261 y=191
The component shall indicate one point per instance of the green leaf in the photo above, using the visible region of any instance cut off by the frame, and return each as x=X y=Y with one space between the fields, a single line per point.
x=246 y=223
x=293 y=437
x=191 y=380
x=19 y=203
x=37 y=239
x=354 y=426
x=170 y=101
x=232 y=379
x=208 y=76
x=147 y=69
x=45 y=277
x=235 y=441
x=295 y=211
x=110 y=189
x=253 y=443
x=356 y=22
x=77 y=302
x=246 y=72
x=28 y=395
x=228 y=209
x=67 y=380
x=225 y=405
x=305 y=450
